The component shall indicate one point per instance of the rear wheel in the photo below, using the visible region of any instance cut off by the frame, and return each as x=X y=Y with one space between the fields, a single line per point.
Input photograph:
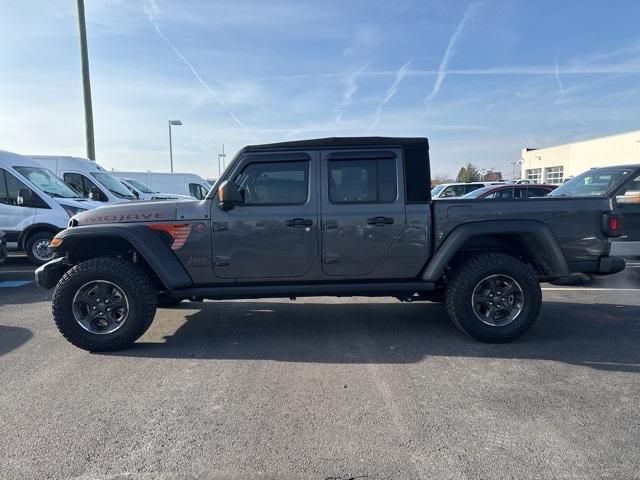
x=494 y=297
x=104 y=304
x=37 y=247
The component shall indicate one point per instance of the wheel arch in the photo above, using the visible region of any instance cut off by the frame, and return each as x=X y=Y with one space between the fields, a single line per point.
x=35 y=228
x=531 y=240
x=83 y=243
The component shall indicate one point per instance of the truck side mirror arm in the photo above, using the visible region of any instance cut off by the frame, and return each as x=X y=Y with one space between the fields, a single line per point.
x=229 y=196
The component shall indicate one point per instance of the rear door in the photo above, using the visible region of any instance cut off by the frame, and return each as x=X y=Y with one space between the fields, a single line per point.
x=363 y=209
x=273 y=234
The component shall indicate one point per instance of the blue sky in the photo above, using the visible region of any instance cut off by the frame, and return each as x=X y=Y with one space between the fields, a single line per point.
x=482 y=79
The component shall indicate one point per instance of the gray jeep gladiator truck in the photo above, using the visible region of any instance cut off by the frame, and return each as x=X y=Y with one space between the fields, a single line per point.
x=325 y=217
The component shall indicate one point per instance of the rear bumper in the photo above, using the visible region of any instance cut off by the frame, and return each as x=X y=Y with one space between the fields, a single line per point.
x=47 y=275
x=610 y=264
x=603 y=266
x=625 y=249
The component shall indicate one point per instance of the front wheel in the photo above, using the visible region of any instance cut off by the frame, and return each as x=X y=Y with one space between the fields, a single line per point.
x=37 y=248
x=104 y=304
x=494 y=297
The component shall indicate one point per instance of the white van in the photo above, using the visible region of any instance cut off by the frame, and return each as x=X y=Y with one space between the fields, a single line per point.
x=143 y=192
x=34 y=205
x=87 y=177
x=180 y=183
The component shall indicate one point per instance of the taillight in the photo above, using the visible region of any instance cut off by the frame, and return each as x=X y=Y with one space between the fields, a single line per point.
x=612 y=224
x=177 y=233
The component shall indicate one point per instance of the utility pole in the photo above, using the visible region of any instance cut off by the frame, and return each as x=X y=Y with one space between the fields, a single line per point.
x=172 y=122
x=221 y=159
x=86 y=84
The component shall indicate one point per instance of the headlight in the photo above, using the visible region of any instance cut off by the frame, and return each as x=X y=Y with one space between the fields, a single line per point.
x=71 y=211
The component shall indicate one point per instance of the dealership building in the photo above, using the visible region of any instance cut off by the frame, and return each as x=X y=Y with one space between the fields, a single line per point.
x=556 y=164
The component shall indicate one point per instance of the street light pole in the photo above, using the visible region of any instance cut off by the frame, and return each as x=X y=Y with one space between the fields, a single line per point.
x=86 y=84
x=172 y=122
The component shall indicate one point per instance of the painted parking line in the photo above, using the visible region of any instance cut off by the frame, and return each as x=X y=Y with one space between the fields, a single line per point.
x=14 y=283
x=591 y=289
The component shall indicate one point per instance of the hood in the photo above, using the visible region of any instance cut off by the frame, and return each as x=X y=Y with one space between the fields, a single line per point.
x=83 y=203
x=129 y=212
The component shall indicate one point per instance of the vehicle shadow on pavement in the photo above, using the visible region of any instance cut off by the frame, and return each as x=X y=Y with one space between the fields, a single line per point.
x=13 y=337
x=602 y=336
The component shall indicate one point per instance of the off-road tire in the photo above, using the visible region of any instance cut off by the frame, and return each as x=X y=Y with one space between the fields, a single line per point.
x=31 y=242
x=130 y=279
x=465 y=279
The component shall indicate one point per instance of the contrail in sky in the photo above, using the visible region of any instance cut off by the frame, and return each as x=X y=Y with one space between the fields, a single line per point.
x=350 y=88
x=559 y=81
x=152 y=11
x=391 y=91
x=469 y=13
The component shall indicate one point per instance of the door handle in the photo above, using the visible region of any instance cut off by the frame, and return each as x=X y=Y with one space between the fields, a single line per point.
x=380 y=221
x=299 y=222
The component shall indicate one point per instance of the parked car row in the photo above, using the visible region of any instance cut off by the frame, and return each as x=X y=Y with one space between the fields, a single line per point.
x=39 y=194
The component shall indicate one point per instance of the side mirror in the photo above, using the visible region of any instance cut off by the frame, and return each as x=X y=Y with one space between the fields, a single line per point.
x=229 y=196
x=631 y=197
x=95 y=194
x=25 y=197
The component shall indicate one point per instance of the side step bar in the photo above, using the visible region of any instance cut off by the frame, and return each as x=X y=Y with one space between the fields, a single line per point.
x=304 y=290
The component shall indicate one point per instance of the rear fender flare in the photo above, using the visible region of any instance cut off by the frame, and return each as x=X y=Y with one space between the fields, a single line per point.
x=553 y=255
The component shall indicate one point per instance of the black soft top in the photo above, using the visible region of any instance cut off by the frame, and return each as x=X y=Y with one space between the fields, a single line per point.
x=343 y=142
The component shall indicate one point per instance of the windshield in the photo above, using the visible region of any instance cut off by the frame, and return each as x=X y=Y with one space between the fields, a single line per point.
x=597 y=182
x=139 y=185
x=436 y=190
x=113 y=185
x=46 y=181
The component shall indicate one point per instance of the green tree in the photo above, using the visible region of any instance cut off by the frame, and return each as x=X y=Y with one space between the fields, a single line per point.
x=468 y=173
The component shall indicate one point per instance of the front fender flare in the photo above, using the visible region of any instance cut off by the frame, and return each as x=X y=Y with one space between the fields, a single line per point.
x=148 y=244
x=553 y=255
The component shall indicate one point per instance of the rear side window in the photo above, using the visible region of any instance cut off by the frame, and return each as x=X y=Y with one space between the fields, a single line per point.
x=537 y=192
x=472 y=187
x=274 y=183
x=363 y=181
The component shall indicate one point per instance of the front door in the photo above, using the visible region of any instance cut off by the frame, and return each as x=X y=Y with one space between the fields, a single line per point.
x=273 y=233
x=363 y=209
x=14 y=217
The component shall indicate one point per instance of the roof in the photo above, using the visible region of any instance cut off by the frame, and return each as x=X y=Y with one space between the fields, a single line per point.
x=343 y=142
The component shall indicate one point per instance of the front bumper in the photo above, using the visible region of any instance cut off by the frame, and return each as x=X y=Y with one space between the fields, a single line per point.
x=48 y=275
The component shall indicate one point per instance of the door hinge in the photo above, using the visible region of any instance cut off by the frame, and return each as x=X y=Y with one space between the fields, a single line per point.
x=220 y=226
x=221 y=261
x=331 y=258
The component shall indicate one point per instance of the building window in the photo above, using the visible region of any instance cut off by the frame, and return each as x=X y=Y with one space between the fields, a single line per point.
x=534 y=175
x=554 y=175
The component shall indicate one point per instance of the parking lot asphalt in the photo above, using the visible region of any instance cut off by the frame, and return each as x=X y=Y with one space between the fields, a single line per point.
x=325 y=388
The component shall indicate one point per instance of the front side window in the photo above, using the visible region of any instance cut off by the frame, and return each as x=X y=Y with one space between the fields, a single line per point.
x=363 y=181
x=274 y=183
x=198 y=191
x=46 y=181
x=10 y=188
x=454 y=191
